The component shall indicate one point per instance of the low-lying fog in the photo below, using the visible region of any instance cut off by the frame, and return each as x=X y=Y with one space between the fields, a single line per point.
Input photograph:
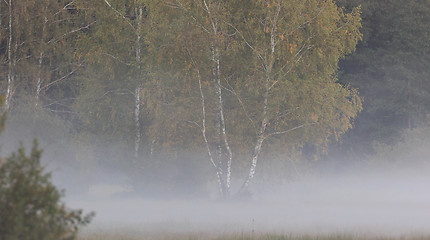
x=368 y=199
x=388 y=202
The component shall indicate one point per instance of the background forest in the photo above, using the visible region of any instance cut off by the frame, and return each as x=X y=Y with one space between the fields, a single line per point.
x=175 y=96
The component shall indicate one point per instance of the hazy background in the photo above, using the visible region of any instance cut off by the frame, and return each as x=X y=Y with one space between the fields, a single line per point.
x=119 y=116
x=386 y=194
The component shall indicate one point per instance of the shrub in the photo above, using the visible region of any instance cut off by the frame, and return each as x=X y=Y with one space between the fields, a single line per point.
x=30 y=206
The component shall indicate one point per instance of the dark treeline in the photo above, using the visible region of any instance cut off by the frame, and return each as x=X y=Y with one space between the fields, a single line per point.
x=191 y=93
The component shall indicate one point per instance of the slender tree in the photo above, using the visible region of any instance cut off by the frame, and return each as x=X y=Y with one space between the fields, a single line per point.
x=114 y=50
x=273 y=62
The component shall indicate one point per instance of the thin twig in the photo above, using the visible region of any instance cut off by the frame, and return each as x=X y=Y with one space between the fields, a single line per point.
x=289 y=130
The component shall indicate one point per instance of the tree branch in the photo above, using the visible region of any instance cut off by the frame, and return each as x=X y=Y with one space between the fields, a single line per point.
x=47 y=86
x=117 y=12
x=289 y=130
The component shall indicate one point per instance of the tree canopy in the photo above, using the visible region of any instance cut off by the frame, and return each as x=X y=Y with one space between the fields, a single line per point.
x=161 y=87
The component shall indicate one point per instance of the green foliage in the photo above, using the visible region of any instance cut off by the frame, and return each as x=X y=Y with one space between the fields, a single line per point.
x=30 y=206
x=310 y=38
x=88 y=59
x=114 y=54
x=43 y=35
x=391 y=70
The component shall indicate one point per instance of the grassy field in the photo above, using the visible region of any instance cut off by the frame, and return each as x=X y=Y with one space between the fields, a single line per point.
x=240 y=236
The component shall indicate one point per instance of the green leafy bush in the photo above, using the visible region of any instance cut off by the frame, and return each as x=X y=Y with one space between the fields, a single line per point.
x=30 y=206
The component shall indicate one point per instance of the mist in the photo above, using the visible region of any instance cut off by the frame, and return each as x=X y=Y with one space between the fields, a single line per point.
x=375 y=197
x=376 y=202
x=225 y=117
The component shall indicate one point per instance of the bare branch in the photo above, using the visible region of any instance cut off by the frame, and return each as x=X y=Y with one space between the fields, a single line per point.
x=179 y=5
x=62 y=111
x=47 y=86
x=283 y=114
x=119 y=14
x=65 y=7
x=60 y=102
x=289 y=130
x=263 y=63
x=73 y=31
x=117 y=59
x=118 y=92
x=232 y=91
x=195 y=123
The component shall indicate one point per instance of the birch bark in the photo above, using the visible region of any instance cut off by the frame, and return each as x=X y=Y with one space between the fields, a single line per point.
x=267 y=66
x=39 y=73
x=217 y=168
x=224 y=169
x=137 y=123
x=139 y=13
x=10 y=75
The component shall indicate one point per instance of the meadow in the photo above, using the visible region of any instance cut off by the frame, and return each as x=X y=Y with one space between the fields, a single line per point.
x=241 y=236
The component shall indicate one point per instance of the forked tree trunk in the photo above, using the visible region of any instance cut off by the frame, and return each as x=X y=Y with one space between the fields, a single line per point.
x=220 y=125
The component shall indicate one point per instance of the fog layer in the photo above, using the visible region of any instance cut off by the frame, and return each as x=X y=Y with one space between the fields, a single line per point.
x=394 y=202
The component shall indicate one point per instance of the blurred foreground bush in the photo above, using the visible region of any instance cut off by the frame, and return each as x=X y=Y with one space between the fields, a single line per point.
x=30 y=206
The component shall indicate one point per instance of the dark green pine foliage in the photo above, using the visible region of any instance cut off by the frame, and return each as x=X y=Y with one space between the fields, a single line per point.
x=391 y=70
x=30 y=206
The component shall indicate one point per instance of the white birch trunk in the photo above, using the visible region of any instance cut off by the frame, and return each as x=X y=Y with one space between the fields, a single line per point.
x=10 y=75
x=218 y=162
x=137 y=123
x=39 y=73
x=268 y=65
x=39 y=79
x=215 y=77
x=260 y=138
x=151 y=149
x=137 y=140
x=221 y=135
x=1 y=17
x=222 y=124
x=217 y=168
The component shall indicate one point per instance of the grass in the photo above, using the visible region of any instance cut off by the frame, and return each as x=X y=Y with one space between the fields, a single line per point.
x=212 y=236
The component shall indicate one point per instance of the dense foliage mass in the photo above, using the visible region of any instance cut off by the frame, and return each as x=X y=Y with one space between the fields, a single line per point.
x=30 y=206
x=198 y=91
x=391 y=70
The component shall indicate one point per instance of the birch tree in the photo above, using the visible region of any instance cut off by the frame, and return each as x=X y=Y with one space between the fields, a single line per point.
x=114 y=51
x=204 y=40
x=274 y=63
x=10 y=61
x=57 y=25
x=296 y=47
x=39 y=49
